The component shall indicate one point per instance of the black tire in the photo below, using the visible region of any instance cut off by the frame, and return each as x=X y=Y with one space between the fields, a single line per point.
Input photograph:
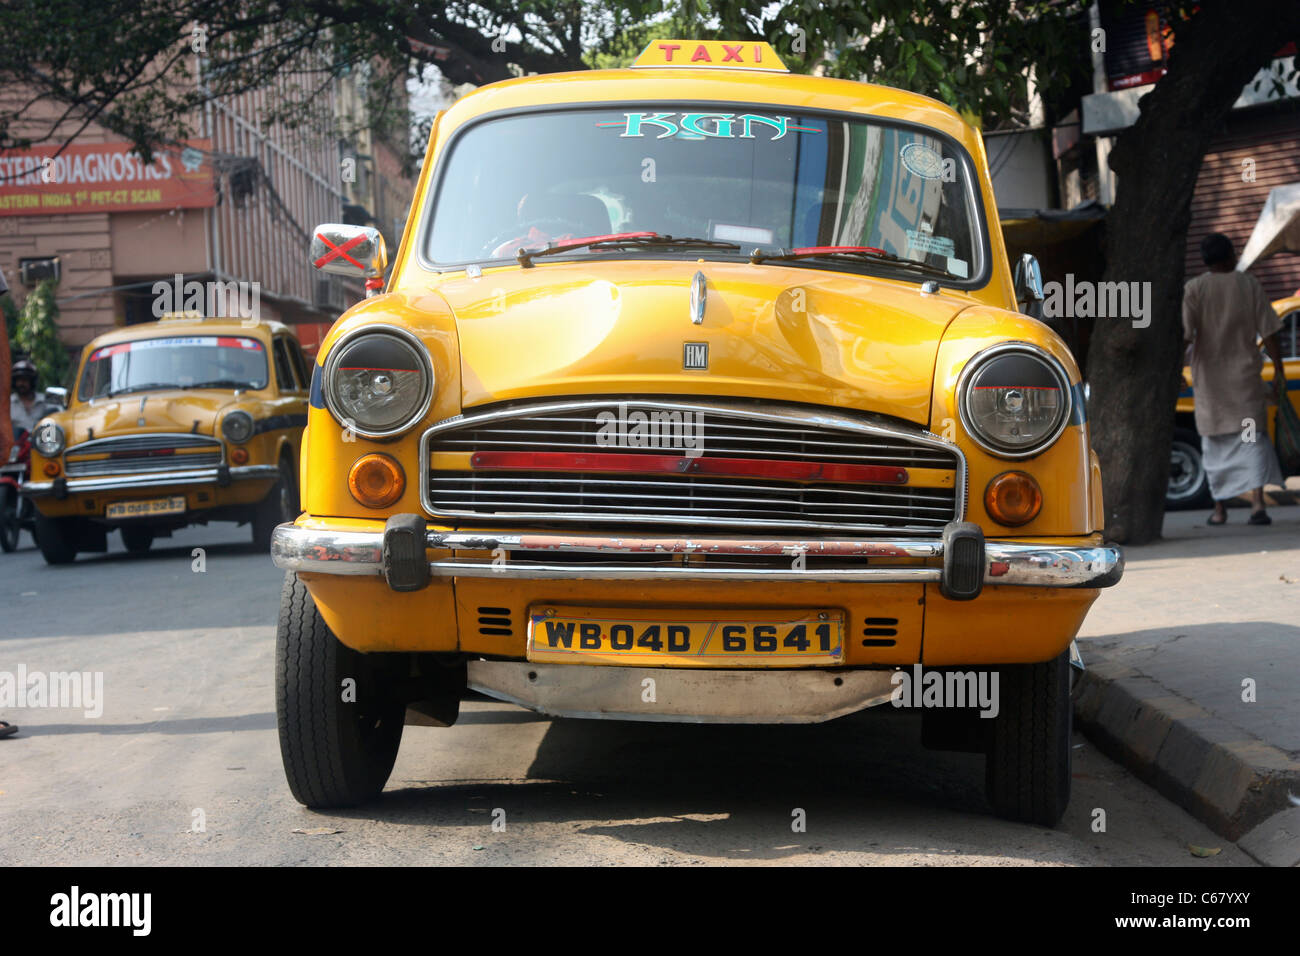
x=137 y=538
x=1027 y=768
x=10 y=525
x=57 y=539
x=278 y=507
x=1189 y=485
x=335 y=753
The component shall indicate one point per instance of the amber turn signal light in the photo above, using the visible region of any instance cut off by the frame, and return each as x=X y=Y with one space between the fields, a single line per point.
x=239 y=456
x=376 y=481
x=51 y=469
x=1013 y=498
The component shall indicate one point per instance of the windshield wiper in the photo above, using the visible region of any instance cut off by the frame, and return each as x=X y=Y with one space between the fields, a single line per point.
x=869 y=253
x=220 y=383
x=622 y=240
x=145 y=387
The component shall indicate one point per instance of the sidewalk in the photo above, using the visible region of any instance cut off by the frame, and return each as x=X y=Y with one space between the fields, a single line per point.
x=1203 y=621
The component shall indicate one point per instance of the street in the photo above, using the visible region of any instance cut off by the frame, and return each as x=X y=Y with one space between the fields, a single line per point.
x=183 y=765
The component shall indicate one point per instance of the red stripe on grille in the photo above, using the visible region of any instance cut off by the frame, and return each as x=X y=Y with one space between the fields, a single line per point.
x=681 y=464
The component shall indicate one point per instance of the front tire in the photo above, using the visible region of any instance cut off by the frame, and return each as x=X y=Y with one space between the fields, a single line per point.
x=1027 y=768
x=1189 y=485
x=10 y=524
x=337 y=752
x=137 y=539
x=57 y=539
x=278 y=507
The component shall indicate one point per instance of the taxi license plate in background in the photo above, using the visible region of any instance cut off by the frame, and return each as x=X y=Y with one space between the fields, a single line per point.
x=686 y=638
x=146 y=509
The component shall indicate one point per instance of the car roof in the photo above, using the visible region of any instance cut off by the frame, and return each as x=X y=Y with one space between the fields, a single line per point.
x=191 y=326
x=711 y=85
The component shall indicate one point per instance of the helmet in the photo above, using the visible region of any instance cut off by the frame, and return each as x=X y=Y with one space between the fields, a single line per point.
x=24 y=367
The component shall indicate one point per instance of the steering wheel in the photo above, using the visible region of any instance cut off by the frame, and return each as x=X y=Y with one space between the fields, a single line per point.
x=493 y=247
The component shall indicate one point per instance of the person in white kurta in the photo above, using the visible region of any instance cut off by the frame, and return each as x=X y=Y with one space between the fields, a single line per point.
x=1225 y=315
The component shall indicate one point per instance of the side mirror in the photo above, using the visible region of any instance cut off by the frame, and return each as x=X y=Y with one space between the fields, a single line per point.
x=1028 y=281
x=356 y=251
x=54 y=395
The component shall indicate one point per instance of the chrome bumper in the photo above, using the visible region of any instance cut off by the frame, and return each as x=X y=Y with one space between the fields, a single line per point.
x=867 y=560
x=62 y=487
x=690 y=695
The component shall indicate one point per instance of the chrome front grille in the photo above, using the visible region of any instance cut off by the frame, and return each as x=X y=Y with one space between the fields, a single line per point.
x=456 y=488
x=142 y=454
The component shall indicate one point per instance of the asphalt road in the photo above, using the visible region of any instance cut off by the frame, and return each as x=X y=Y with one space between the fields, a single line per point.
x=183 y=765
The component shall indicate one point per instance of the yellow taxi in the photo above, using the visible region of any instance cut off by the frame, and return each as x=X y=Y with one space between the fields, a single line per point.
x=698 y=391
x=1189 y=485
x=182 y=421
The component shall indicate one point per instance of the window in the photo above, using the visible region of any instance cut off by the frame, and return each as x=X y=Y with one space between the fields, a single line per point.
x=756 y=176
x=283 y=367
x=299 y=363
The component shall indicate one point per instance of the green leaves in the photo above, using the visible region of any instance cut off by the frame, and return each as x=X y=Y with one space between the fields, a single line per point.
x=37 y=334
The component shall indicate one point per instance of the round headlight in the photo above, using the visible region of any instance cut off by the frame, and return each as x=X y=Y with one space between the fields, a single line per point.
x=379 y=381
x=1014 y=400
x=49 y=439
x=237 y=427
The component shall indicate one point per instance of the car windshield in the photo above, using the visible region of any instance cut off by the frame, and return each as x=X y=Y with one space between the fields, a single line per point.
x=761 y=179
x=214 y=361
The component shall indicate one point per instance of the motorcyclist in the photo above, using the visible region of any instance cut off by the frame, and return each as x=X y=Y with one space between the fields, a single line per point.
x=26 y=405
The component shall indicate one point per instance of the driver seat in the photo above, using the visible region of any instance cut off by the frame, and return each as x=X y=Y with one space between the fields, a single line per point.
x=587 y=214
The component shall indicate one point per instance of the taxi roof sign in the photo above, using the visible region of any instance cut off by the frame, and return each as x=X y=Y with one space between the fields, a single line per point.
x=745 y=55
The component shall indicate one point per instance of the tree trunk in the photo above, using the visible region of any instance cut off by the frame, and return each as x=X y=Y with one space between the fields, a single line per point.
x=1134 y=373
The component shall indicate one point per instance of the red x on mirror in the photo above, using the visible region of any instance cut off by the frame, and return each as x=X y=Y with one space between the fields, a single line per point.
x=348 y=250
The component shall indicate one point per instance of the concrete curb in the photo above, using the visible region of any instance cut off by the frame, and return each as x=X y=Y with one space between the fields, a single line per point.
x=1231 y=783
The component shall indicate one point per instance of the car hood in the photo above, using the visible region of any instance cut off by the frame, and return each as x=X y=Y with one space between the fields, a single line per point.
x=179 y=410
x=773 y=331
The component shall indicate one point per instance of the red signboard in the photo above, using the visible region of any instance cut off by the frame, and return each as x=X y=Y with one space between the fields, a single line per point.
x=104 y=177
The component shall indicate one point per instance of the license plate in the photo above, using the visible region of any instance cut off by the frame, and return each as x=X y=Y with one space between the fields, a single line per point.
x=686 y=638
x=146 y=509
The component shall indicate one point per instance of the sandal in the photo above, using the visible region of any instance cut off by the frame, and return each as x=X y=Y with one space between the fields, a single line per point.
x=1260 y=517
x=7 y=729
x=1210 y=519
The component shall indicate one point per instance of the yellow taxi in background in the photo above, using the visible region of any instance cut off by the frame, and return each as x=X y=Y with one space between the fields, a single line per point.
x=1189 y=486
x=698 y=392
x=170 y=423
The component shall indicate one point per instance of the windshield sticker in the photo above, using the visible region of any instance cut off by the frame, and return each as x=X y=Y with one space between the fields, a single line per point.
x=924 y=242
x=958 y=267
x=925 y=162
x=706 y=125
x=210 y=341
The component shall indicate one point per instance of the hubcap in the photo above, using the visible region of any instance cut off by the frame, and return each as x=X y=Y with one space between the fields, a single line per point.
x=1185 y=471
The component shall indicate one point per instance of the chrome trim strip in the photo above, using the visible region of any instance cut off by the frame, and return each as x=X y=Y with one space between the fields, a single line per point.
x=752 y=546
x=677 y=572
x=762 y=412
x=160 y=480
x=154 y=439
x=684 y=694
x=327 y=551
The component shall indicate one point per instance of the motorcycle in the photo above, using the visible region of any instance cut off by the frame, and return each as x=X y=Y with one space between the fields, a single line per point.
x=16 y=512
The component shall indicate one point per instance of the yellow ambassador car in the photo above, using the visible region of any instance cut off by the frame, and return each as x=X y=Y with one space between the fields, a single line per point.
x=698 y=392
x=170 y=423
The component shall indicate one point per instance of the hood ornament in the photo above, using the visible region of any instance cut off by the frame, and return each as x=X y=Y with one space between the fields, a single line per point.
x=140 y=421
x=698 y=292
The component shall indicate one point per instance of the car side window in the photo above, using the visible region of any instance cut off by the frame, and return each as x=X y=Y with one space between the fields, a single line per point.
x=283 y=368
x=299 y=364
x=1289 y=335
